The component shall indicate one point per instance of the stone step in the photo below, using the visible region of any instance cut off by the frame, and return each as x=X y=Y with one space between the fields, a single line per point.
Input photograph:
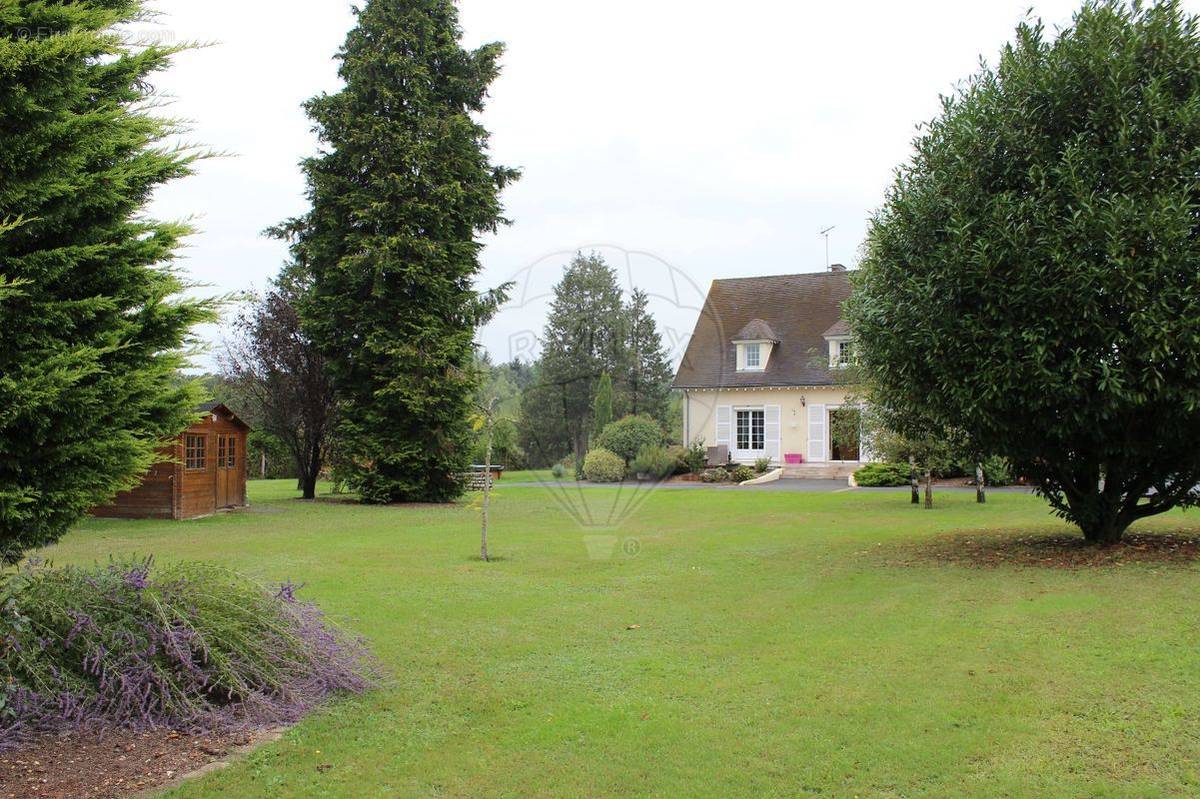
x=820 y=471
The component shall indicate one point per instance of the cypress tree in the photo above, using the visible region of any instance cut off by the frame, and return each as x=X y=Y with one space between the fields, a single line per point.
x=93 y=332
x=401 y=189
x=603 y=403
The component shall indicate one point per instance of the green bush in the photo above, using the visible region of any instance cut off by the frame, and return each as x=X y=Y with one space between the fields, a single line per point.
x=626 y=437
x=876 y=475
x=657 y=462
x=558 y=470
x=762 y=465
x=679 y=455
x=997 y=471
x=697 y=456
x=741 y=474
x=714 y=475
x=603 y=466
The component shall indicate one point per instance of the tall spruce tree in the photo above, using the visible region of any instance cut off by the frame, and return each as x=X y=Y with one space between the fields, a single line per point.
x=584 y=339
x=93 y=330
x=649 y=378
x=401 y=189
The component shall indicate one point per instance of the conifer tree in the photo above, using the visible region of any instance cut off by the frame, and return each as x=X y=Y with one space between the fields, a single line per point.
x=649 y=378
x=401 y=188
x=93 y=329
x=603 y=403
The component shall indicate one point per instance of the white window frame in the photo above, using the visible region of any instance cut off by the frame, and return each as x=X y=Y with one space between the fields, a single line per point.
x=762 y=429
x=753 y=356
x=841 y=352
x=764 y=349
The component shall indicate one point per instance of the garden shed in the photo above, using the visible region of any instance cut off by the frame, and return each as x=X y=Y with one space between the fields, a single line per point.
x=202 y=472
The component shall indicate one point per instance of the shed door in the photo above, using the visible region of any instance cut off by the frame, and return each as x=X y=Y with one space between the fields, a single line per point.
x=222 y=488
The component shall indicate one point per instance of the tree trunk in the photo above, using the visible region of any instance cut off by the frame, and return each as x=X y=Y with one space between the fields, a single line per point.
x=912 y=480
x=928 y=489
x=487 y=487
x=980 y=496
x=309 y=486
x=262 y=465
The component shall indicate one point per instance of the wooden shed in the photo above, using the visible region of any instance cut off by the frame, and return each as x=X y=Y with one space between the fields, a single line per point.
x=204 y=471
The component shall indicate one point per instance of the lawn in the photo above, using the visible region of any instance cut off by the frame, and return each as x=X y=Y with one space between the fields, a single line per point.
x=779 y=650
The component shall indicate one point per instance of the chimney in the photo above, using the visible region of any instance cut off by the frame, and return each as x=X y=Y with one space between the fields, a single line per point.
x=837 y=268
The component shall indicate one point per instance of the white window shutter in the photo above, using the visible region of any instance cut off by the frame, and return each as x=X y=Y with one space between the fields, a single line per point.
x=772 y=432
x=864 y=444
x=724 y=422
x=816 y=433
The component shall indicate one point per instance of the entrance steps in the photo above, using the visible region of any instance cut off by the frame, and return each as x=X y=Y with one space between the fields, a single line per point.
x=820 y=471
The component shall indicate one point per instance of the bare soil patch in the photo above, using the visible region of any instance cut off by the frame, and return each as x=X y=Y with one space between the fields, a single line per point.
x=1048 y=550
x=114 y=764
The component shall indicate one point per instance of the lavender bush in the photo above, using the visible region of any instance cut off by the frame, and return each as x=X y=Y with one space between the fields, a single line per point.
x=189 y=646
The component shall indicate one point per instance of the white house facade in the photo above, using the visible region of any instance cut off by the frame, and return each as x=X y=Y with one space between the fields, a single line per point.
x=765 y=374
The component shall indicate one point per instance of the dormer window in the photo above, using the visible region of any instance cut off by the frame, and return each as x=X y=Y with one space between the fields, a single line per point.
x=754 y=356
x=841 y=345
x=754 y=344
x=844 y=352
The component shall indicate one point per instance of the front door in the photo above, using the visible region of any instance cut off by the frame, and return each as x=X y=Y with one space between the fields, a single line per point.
x=844 y=433
x=750 y=434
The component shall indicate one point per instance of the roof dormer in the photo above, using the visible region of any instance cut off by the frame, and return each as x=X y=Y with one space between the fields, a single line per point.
x=841 y=345
x=754 y=345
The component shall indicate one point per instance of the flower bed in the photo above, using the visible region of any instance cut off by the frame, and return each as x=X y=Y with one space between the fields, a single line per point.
x=190 y=646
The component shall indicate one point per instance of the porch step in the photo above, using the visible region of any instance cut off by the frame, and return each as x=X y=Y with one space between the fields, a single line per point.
x=820 y=471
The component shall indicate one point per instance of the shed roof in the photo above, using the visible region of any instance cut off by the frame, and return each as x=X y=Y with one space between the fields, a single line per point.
x=223 y=409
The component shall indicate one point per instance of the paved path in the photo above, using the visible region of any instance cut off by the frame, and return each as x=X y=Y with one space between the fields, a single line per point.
x=828 y=486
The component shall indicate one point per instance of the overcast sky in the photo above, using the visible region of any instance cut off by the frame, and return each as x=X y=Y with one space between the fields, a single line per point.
x=684 y=144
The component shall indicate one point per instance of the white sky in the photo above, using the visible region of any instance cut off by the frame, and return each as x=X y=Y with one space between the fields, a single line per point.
x=709 y=143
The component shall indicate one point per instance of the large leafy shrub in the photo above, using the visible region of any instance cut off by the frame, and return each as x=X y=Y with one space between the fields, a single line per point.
x=190 y=645
x=876 y=475
x=1030 y=281
x=603 y=466
x=629 y=435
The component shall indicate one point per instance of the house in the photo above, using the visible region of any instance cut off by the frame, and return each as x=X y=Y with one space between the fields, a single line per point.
x=765 y=373
x=202 y=471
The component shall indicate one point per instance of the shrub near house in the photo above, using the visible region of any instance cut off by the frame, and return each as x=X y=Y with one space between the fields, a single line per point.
x=628 y=436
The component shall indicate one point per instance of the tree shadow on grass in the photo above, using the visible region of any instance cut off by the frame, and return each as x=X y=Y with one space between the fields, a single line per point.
x=1049 y=550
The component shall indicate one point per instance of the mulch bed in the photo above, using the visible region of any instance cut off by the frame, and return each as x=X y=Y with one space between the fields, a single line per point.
x=1050 y=551
x=111 y=764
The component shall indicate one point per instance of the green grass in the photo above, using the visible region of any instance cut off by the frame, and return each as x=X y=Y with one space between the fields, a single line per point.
x=778 y=652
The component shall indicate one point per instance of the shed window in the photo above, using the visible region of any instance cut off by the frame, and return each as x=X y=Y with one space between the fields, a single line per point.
x=195 y=452
x=231 y=453
x=220 y=452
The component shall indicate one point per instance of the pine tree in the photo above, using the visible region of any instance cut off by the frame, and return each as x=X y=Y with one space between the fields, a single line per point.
x=93 y=330
x=649 y=376
x=399 y=192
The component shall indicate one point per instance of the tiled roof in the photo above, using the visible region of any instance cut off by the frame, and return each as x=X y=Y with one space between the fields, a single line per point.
x=797 y=309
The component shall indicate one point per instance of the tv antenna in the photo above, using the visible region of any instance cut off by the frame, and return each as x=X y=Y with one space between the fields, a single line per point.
x=825 y=234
